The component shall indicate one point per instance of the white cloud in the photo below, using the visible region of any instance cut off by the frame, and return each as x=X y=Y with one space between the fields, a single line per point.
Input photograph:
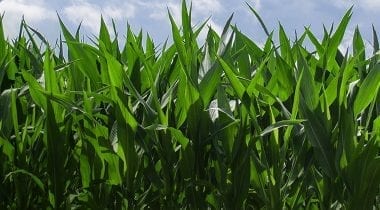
x=216 y=27
x=207 y=7
x=158 y=11
x=373 y=5
x=201 y=9
x=256 y=5
x=175 y=11
x=347 y=41
x=342 y=4
x=90 y=13
x=33 y=11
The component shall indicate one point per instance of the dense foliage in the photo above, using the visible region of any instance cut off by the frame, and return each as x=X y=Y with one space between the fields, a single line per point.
x=226 y=125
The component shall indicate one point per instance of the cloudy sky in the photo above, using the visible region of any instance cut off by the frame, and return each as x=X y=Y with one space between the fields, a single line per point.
x=151 y=15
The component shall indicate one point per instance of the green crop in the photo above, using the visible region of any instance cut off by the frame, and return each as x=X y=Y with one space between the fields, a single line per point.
x=224 y=125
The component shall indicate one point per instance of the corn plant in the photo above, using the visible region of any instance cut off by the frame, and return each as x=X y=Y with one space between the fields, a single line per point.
x=222 y=125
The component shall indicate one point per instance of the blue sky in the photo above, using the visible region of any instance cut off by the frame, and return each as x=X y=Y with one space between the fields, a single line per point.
x=151 y=15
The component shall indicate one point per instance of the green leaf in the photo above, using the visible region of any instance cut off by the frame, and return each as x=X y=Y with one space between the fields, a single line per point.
x=280 y=124
x=35 y=90
x=308 y=88
x=36 y=180
x=358 y=47
x=212 y=77
x=285 y=43
x=85 y=170
x=178 y=135
x=178 y=41
x=113 y=168
x=56 y=157
x=5 y=115
x=375 y=41
x=104 y=35
x=235 y=83
x=337 y=37
x=7 y=148
x=319 y=137
x=368 y=90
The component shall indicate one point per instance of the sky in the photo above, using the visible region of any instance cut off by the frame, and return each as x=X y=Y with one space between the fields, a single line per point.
x=151 y=16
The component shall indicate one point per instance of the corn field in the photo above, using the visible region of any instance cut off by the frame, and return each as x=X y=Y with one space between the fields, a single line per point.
x=229 y=124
